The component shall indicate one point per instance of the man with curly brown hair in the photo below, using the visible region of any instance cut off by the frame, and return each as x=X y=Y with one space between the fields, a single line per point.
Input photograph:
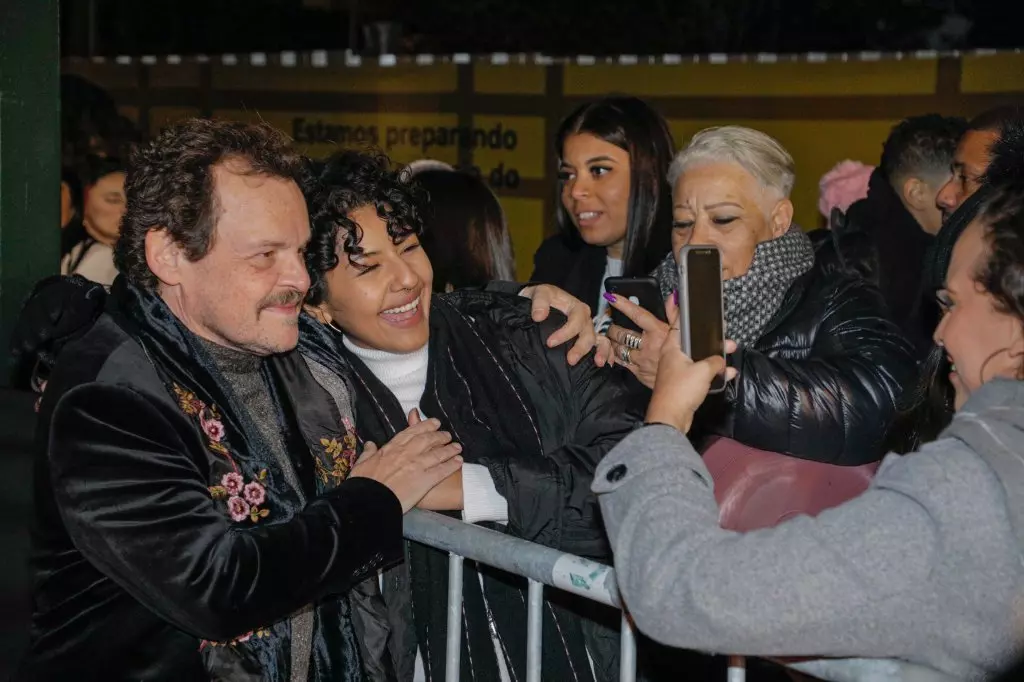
x=203 y=503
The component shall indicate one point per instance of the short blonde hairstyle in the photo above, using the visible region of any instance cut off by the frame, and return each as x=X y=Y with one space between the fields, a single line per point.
x=757 y=153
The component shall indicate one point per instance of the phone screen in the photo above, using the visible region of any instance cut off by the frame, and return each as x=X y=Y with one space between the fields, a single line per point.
x=703 y=323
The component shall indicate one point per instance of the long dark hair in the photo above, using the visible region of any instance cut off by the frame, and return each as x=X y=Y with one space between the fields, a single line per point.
x=633 y=126
x=464 y=230
x=926 y=409
x=1002 y=274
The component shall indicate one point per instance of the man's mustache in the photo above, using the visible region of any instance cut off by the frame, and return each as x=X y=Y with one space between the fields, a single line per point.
x=292 y=297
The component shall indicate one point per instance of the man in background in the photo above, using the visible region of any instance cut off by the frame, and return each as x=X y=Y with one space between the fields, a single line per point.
x=900 y=214
x=972 y=156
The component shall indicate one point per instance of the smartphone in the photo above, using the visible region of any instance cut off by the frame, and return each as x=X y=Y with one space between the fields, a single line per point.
x=701 y=305
x=643 y=291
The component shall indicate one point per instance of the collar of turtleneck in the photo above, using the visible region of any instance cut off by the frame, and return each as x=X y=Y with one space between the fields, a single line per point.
x=405 y=374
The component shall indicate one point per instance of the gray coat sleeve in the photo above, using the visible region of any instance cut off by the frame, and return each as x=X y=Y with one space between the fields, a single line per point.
x=824 y=586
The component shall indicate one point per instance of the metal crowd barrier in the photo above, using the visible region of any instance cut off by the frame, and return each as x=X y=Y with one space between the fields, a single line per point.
x=541 y=566
x=545 y=566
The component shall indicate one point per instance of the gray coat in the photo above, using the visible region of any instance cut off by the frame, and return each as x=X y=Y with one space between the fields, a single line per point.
x=925 y=566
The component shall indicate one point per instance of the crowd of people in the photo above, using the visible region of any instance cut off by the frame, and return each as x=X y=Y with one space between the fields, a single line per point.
x=254 y=363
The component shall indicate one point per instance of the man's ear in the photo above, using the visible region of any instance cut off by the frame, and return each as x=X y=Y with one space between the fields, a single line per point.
x=781 y=218
x=164 y=256
x=915 y=194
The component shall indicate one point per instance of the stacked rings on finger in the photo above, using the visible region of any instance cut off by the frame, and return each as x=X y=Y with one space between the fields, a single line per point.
x=624 y=354
x=632 y=341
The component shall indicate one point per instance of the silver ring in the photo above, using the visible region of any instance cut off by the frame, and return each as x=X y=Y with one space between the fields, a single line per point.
x=632 y=341
x=624 y=354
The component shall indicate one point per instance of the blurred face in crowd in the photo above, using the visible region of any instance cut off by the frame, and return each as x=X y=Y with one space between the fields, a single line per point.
x=982 y=341
x=246 y=292
x=721 y=204
x=969 y=165
x=595 y=190
x=380 y=299
x=104 y=207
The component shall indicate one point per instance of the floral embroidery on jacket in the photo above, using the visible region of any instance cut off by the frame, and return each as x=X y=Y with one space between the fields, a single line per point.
x=342 y=454
x=258 y=633
x=243 y=499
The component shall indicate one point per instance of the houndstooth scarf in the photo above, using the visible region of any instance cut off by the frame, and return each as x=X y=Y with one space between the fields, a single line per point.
x=752 y=299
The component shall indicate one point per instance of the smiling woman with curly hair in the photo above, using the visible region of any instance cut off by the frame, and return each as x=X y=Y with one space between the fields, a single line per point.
x=532 y=427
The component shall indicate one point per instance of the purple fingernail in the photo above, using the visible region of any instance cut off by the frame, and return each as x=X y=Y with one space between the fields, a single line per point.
x=675 y=296
x=609 y=297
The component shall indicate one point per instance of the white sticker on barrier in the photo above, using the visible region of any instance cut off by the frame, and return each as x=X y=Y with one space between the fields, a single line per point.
x=584 y=577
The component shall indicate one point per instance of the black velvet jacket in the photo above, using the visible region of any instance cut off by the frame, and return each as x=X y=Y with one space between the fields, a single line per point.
x=167 y=542
x=540 y=427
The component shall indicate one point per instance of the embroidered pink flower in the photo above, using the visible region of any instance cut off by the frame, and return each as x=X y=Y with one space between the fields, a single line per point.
x=244 y=638
x=238 y=508
x=233 y=483
x=254 y=493
x=213 y=428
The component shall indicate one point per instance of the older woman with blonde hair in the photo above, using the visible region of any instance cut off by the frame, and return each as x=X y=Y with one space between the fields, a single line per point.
x=820 y=365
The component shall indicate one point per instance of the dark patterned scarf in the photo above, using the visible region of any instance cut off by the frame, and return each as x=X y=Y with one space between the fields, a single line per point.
x=752 y=299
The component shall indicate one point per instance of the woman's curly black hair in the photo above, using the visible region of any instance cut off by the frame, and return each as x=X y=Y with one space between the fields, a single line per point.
x=345 y=182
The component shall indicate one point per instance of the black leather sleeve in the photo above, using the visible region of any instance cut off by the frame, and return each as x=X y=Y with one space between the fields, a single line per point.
x=136 y=504
x=505 y=287
x=835 y=405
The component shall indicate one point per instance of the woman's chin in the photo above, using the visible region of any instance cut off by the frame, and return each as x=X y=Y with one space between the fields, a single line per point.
x=405 y=340
x=598 y=236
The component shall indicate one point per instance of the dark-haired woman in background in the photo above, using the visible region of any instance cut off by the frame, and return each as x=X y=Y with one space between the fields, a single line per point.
x=615 y=215
x=532 y=426
x=465 y=233
x=103 y=205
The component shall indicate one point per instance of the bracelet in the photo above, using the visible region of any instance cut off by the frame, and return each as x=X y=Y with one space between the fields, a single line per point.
x=657 y=424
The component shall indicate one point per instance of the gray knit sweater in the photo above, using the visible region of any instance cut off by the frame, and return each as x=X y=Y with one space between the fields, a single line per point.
x=926 y=566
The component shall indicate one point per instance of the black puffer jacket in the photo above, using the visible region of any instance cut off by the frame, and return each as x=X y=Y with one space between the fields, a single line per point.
x=539 y=425
x=570 y=264
x=823 y=380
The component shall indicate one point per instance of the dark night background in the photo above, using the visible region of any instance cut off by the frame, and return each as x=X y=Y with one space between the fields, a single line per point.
x=562 y=27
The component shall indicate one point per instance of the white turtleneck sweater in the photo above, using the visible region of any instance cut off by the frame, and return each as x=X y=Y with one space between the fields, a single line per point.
x=405 y=375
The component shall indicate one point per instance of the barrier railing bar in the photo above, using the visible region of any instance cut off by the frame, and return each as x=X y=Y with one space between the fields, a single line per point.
x=453 y=642
x=737 y=670
x=627 y=652
x=546 y=565
x=534 y=625
x=543 y=565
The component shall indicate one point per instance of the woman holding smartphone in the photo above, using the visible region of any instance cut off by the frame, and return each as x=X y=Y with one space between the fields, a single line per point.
x=615 y=212
x=924 y=567
x=820 y=366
